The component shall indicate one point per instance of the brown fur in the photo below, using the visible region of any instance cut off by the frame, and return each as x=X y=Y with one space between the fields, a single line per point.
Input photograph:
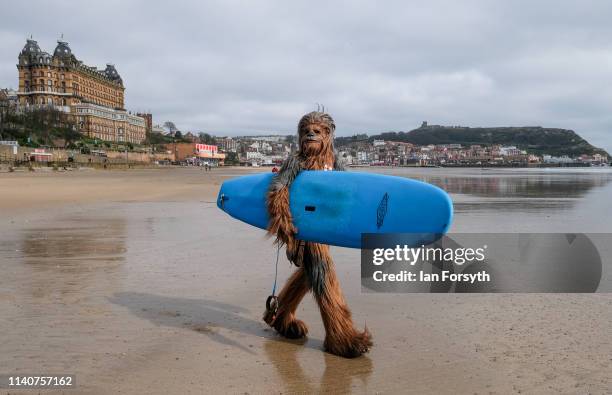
x=281 y=222
x=315 y=132
x=290 y=297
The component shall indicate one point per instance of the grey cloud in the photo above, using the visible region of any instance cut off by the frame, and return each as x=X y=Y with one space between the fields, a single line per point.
x=234 y=67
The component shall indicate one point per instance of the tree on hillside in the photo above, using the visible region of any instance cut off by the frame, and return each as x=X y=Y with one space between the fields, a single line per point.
x=170 y=126
x=156 y=138
x=206 y=138
x=232 y=158
x=70 y=135
x=42 y=127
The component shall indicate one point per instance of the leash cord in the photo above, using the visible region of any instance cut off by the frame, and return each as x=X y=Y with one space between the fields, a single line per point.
x=275 y=271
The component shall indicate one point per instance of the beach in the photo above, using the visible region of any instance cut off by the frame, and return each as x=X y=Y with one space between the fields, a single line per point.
x=135 y=282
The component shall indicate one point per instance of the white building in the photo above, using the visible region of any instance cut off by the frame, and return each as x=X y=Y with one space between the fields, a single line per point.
x=254 y=155
x=557 y=159
x=228 y=144
x=158 y=129
x=362 y=156
x=510 y=151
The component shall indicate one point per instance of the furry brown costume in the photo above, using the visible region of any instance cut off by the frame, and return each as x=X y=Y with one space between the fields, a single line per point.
x=315 y=270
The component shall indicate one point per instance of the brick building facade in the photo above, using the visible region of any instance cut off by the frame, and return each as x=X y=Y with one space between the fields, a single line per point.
x=95 y=98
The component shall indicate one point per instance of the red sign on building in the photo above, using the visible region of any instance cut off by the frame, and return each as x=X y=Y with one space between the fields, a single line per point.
x=205 y=148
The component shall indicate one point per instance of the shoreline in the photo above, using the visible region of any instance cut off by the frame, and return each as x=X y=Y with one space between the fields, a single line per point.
x=25 y=190
x=478 y=167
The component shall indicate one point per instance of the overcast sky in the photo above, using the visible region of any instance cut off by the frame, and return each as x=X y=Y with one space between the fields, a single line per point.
x=246 y=67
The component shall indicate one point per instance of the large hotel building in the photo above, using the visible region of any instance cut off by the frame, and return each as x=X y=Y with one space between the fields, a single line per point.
x=95 y=98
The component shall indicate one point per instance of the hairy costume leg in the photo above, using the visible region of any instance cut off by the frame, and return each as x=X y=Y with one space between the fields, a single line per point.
x=293 y=292
x=289 y=298
x=341 y=338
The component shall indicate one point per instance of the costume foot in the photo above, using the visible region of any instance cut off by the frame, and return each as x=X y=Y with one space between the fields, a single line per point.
x=294 y=329
x=359 y=344
x=269 y=317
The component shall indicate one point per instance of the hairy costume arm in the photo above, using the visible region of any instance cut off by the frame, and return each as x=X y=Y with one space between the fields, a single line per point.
x=281 y=222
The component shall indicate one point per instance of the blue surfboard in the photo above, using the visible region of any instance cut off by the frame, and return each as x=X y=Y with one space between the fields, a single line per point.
x=336 y=207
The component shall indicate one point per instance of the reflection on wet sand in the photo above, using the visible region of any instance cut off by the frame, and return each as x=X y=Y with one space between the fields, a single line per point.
x=337 y=377
x=511 y=190
x=523 y=206
x=53 y=273
x=66 y=246
x=73 y=254
x=535 y=186
x=511 y=183
x=211 y=318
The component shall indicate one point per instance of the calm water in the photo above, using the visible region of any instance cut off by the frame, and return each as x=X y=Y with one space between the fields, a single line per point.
x=523 y=200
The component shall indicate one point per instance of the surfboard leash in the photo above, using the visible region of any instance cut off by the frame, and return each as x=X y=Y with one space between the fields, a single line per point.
x=272 y=301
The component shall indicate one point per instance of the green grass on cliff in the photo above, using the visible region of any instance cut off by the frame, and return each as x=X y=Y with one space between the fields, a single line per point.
x=533 y=139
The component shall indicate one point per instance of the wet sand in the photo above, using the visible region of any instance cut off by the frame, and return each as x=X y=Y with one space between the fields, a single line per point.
x=136 y=282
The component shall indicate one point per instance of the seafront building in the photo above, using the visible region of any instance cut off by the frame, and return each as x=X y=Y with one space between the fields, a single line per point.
x=196 y=153
x=94 y=97
x=228 y=144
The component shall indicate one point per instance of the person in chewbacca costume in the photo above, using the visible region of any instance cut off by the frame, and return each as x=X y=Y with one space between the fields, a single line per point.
x=315 y=268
